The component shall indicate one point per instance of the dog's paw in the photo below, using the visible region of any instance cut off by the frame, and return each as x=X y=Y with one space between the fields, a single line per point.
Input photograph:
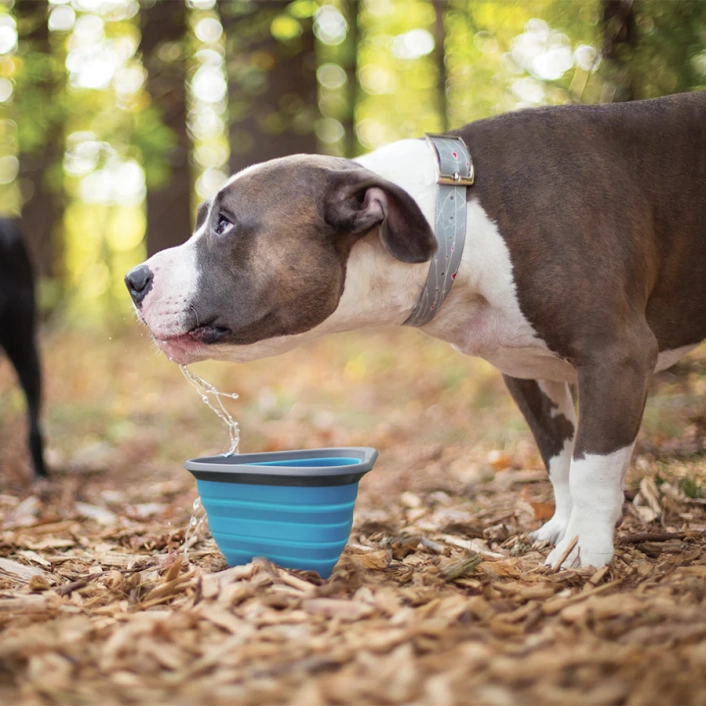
x=552 y=531
x=592 y=549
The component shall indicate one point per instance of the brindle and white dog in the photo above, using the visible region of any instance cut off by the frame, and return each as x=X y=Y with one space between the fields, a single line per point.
x=585 y=261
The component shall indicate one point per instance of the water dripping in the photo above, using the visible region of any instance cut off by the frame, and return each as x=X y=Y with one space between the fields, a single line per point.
x=197 y=527
x=213 y=398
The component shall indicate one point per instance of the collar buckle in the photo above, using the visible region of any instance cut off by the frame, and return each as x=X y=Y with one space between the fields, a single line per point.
x=454 y=166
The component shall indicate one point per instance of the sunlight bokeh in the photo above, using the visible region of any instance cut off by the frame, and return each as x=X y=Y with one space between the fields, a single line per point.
x=385 y=70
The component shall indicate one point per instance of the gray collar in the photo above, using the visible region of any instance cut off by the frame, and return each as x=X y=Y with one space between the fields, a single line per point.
x=455 y=173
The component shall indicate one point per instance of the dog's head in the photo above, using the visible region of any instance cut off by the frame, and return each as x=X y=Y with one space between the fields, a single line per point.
x=270 y=257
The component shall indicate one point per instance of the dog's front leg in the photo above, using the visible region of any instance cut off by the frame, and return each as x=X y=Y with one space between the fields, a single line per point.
x=613 y=381
x=549 y=412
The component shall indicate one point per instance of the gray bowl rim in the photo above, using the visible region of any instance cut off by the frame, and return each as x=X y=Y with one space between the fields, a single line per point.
x=240 y=468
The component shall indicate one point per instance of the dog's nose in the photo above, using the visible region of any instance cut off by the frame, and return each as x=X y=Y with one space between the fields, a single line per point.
x=139 y=282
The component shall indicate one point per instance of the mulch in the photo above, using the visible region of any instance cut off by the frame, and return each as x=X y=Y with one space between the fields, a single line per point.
x=439 y=598
x=434 y=601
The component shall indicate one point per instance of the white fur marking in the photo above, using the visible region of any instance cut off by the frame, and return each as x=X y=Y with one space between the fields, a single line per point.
x=482 y=316
x=175 y=284
x=559 y=466
x=596 y=483
x=554 y=530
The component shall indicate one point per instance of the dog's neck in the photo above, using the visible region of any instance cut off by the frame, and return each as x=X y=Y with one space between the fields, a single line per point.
x=392 y=287
x=379 y=289
x=481 y=310
x=382 y=291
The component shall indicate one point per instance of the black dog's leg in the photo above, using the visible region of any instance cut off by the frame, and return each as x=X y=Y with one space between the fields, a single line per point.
x=21 y=349
x=549 y=412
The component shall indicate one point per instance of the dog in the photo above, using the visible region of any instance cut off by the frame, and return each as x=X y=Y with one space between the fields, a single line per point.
x=17 y=331
x=583 y=263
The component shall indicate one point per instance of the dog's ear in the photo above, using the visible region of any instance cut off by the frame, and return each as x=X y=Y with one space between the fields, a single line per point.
x=202 y=213
x=358 y=200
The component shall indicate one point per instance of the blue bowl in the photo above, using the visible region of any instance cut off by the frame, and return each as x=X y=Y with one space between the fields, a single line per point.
x=293 y=507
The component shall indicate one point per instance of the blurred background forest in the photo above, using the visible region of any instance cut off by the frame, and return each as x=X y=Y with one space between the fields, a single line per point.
x=117 y=117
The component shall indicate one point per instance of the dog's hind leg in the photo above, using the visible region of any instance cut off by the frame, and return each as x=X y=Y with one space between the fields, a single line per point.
x=613 y=380
x=22 y=351
x=549 y=411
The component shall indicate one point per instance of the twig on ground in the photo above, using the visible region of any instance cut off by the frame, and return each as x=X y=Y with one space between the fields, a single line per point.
x=463 y=567
x=565 y=554
x=69 y=588
x=639 y=537
x=433 y=546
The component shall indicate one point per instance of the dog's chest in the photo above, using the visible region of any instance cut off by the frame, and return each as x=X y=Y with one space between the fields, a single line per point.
x=531 y=363
x=507 y=341
x=482 y=316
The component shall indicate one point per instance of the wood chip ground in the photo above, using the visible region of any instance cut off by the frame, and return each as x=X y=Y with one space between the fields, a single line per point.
x=439 y=598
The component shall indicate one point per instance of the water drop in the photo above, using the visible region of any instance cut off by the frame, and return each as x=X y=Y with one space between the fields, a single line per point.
x=213 y=398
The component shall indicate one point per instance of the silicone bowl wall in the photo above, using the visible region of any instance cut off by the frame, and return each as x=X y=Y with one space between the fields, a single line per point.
x=277 y=506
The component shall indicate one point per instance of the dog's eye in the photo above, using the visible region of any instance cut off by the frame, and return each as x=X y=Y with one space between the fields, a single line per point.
x=223 y=226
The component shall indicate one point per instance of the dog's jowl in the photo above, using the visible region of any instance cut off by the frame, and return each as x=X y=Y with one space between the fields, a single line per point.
x=583 y=262
x=17 y=329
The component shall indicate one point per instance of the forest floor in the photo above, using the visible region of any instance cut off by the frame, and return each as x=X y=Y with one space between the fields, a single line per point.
x=439 y=598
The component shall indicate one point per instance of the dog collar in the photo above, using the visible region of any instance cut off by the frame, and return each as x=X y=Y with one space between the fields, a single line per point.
x=454 y=170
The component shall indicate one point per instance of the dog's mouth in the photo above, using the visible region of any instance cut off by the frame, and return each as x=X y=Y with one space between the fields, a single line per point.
x=192 y=346
x=182 y=349
x=208 y=334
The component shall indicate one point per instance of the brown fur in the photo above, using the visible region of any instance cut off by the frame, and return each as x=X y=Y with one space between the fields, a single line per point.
x=603 y=209
x=550 y=429
x=281 y=269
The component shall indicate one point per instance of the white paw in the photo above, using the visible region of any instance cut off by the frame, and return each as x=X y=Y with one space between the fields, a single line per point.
x=552 y=531
x=592 y=549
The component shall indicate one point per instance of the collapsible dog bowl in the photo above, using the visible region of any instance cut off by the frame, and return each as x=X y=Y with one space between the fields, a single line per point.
x=293 y=507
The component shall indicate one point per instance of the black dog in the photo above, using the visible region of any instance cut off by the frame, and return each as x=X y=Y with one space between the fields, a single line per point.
x=17 y=324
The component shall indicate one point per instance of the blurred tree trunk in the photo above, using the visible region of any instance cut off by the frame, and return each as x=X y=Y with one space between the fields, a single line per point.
x=620 y=37
x=440 y=56
x=271 y=80
x=652 y=48
x=349 y=61
x=163 y=25
x=40 y=163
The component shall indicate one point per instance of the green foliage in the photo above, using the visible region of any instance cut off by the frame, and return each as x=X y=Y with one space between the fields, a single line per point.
x=251 y=58
x=284 y=28
x=381 y=78
x=691 y=486
x=398 y=95
x=669 y=53
x=38 y=103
